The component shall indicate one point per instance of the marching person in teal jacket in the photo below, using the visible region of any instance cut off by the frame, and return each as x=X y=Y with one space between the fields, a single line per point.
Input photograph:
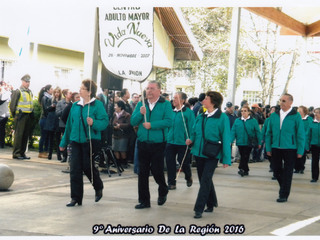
x=181 y=129
x=86 y=120
x=314 y=142
x=285 y=141
x=153 y=122
x=213 y=126
x=307 y=121
x=264 y=132
x=247 y=133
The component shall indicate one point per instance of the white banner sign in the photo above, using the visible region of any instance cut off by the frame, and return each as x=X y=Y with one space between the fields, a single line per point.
x=126 y=41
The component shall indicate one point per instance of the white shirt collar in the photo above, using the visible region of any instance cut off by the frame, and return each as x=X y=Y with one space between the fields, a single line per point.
x=211 y=114
x=316 y=121
x=285 y=112
x=178 y=110
x=305 y=117
x=81 y=101
x=245 y=119
x=151 y=105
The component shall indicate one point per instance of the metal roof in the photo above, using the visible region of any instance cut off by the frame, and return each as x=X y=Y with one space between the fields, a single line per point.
x=186 y=46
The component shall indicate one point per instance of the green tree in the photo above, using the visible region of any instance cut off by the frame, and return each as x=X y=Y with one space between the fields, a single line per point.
x=262 y=56
x=211 y=28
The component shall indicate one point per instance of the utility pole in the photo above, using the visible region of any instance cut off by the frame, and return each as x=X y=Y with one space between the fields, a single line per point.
x=233 y=57
x=91 y=58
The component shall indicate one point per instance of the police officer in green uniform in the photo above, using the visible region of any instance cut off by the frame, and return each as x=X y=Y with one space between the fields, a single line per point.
x=21 y=107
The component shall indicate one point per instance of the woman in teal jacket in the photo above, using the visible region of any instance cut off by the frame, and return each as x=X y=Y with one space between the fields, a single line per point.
x=247 y=133
x=263 y=132
x=181 y=129
x=307 y=120
x=314 y=142
x=216 y=127
x=86 y=120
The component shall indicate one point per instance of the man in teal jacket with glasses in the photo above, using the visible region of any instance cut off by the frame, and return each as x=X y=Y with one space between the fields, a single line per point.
x=153 y=121
x=285 y=140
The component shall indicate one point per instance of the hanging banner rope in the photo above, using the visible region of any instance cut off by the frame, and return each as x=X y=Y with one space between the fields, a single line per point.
x=126 y=41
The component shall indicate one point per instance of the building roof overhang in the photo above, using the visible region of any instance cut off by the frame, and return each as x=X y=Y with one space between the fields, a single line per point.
x=302 y=21
x=186 y=46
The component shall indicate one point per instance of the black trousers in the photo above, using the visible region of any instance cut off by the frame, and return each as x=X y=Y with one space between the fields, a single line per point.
x=300 y=162
x=3 y=122
x=244 y=157
x=60 y=133
x=131 y=145
x=23 y=121
x=207 y=194
x=283 y=163
x=80 y=162
x=151 y=157
x=315 y=162
x=172 y=151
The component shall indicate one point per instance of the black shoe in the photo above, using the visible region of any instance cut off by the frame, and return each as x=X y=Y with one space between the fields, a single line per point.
x=301 y=171
x=198 y=215
x=63 y=160
x=189 y=182
x=49 y=156
x=142 y=206
x=19 y=158
x=246 y=174
x=274 y=178
x=67 y=170
x=25 y=157
x=59 y=157
x=296 y=171
x=280 y=200
x=162 y=200
x=73 y=202
x=209 y=209
x=172 y=187
x=98 y=195
x=313 y=180
x=241 y=172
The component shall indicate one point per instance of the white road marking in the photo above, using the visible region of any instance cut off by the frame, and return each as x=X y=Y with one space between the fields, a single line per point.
x=284 y=231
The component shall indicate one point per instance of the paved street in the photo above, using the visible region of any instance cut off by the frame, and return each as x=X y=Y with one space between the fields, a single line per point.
x=35 y=204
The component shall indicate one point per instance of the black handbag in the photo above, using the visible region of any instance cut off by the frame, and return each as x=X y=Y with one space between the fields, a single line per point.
x=210 y=148
x=253 y=142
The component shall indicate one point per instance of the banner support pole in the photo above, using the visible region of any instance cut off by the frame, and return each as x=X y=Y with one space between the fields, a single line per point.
x=142 y=99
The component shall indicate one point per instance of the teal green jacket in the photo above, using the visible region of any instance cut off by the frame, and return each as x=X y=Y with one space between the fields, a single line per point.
x=216 y=128
x=160 y=119
x=238 y=131
x=291 y=135
x=314 y=137
x=75 y=132
x=181 y=128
